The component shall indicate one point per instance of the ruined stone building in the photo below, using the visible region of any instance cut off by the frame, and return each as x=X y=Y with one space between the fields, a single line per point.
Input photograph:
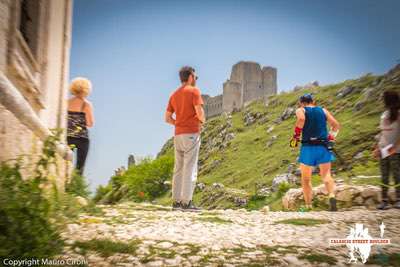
x=34 y=62
x=248 y=82
x=131 y=160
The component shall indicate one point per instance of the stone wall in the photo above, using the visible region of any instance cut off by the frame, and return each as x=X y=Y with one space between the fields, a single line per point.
x=269 y=81
x=248 y=82
x=15 y=138
x=232 y=96
x=213 y=105
x=249 y=75
x=4 y=21
x=36 y=80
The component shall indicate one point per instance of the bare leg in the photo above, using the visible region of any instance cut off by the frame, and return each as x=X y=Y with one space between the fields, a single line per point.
x=325 y=171
x=306 y=172
x=329 y=184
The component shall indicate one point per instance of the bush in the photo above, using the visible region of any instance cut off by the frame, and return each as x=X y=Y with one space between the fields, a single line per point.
x=283 y=188
x=77 y=186
x=27 y=226
x=256 y=202
x=101 y=192
x=144 y=181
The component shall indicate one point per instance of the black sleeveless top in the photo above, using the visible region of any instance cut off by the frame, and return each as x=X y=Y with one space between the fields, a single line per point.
x=77 y=123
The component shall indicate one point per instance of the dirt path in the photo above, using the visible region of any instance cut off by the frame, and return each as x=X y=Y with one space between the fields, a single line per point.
x=133 y=234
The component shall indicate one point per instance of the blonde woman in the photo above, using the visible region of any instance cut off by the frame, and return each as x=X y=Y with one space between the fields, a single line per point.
x=80 y=118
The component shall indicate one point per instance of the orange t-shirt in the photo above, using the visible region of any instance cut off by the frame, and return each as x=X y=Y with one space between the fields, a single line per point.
x=182 y=103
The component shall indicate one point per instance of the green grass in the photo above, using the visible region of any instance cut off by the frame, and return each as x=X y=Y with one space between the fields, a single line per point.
x=214 y=219
x=273 y=201
x=158 y=252
x=93 y=210
x=268 y=259
x=106 y=247
x=391 y=259
x=256 y=202
x=152 y=208
x=90 y=220
x=303 y=221
x=318 y=258
x=149 y=207
x=283 y=250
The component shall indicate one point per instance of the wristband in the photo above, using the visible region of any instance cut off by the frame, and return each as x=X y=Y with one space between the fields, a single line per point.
x=297 y=132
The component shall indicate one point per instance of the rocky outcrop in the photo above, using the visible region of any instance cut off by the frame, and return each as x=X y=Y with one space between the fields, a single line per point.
x=283 y=178
x=287 y=113
x=368 y=94
x=346 y=195
x=264 y=192
x=218 y=196
x=307 y=86
x=131 y=160
x=218 y=139
x=271 y=141
x=343 y=92
x=249 y=117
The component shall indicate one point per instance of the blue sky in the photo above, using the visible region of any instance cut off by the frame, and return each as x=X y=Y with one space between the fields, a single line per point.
x=132 y=50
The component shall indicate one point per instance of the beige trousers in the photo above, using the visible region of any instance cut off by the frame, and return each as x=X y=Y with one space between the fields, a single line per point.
x=187 y=148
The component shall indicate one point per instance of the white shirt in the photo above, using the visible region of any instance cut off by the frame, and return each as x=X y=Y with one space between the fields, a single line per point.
x=390 y=132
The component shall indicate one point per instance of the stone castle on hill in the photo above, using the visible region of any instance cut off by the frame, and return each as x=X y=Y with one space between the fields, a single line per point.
x=248 y=82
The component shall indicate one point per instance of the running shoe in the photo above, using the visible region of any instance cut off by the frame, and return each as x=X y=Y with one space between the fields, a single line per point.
x=176 y=205
x=332 y=204
x=304 y=209
x=190 y=207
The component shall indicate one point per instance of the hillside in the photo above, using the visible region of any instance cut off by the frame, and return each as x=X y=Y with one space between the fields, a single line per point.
x=248 y=149
x=242 y=152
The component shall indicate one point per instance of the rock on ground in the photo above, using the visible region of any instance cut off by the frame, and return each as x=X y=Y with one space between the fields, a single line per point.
x=347 y=196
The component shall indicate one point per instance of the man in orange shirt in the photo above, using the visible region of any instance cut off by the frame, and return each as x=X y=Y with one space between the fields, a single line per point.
x=187 y=105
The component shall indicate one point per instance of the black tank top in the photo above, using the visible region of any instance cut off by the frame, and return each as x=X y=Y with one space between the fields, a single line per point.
x=77 y=123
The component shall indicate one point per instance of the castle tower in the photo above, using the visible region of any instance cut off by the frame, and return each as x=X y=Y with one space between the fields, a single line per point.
x=248 y=82
x=131 y=160
x=232 y=96
x=269 y=80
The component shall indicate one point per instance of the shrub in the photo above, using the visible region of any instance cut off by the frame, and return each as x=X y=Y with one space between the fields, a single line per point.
x=101 y=192
x=77 y=186
x=283 y=188
x=141 y=182
x=256 y=202
x=27 y=228
x=146 y=180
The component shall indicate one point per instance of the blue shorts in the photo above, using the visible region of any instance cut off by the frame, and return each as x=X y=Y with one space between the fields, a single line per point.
x=315 y=154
